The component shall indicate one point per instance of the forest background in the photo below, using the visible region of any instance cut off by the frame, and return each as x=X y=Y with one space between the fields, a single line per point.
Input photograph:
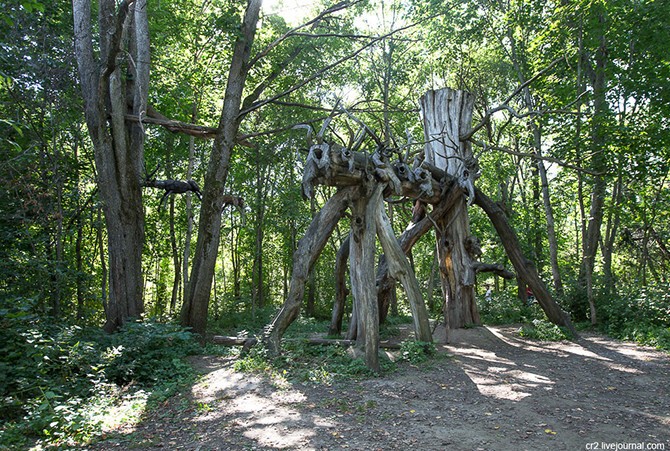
x=574 y=99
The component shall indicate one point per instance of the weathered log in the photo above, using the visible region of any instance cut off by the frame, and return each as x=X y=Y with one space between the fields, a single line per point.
x=361 y=263
x=344 y=167
x=308 y=251
x=495 y=268
x=524 y=267
x=400 y=269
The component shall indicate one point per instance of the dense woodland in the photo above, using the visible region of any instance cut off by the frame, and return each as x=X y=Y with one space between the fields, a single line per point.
x=151 y=165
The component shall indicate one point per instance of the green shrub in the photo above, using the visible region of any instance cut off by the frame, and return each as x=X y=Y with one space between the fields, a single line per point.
x=148 y=352
x=416 y=351
x=543 y=330
x=57 y=381
x=505 y=308
x=641 y=315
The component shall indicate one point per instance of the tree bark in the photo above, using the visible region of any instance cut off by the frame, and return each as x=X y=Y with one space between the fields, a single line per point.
x=341 y=289
x=196 y=302
x=447 y=115
x=118 y=146
x=598 y=78
x=400 y=268
x=305 y=256
x=361 y=263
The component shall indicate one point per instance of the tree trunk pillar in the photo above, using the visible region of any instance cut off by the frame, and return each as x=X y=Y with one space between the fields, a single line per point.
x=305 y=256
x=447 y=115
x=362 y=262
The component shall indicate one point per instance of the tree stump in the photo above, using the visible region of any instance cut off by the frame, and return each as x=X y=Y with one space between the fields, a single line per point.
x=447 y=114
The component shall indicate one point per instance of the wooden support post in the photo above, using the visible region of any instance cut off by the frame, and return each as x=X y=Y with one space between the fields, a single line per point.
x=362 y=263
x=308 y=251
x=399 y=268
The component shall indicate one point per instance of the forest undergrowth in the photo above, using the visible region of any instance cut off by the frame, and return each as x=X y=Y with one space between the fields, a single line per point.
x=64 y=385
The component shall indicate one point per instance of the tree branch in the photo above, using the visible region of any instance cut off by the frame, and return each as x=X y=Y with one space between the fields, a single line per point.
x=504 y=105
x=324 y=70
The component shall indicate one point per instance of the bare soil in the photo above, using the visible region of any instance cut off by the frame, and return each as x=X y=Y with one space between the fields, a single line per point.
x=488 y=390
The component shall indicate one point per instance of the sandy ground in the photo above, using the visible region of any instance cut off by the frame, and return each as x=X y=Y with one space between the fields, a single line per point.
x=488 y=390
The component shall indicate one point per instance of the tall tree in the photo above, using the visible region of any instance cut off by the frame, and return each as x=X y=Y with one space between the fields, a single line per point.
x=113 y=84
x=196 y=299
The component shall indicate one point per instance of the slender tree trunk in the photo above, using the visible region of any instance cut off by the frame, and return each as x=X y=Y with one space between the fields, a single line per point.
x=189 y=206
x=341 y=289
x=196 y=302
x=257 y=288
x=598 y=162
x=613 y=220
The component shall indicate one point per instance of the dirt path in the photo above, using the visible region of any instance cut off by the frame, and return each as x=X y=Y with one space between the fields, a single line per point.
x=491 y=391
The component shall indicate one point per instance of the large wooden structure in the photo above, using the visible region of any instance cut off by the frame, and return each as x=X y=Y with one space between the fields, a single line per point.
x=443 y=179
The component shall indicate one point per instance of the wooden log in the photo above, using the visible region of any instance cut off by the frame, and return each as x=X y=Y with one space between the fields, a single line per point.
x=524 y=267
x=344 y=167
x=308 y=251
x=361 y=264
x=400 y=269
x=495 y=268
x=251 y=341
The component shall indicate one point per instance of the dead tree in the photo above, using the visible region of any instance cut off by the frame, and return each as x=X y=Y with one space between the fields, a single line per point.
x=447 y=114
x=445 y=181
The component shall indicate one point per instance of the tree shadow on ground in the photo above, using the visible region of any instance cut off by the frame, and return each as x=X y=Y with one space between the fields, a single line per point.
x=487 y=389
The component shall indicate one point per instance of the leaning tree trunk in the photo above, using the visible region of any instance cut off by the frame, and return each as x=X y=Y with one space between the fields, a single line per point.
x=119 y=146
x=400 y=268
x=524 y=267
x=305 y=256
x=196 y=299
x=447 y=114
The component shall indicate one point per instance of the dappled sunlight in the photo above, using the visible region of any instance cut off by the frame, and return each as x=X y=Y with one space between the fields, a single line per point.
x=565 y=349
x=478 y=354
x=278 y=437
x=627 y=349
x=506 y=383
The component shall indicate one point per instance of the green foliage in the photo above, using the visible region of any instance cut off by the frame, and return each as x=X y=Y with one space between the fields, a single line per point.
x=58 y=381
x=642 y=315
x=416 y=352
x=506 y=308
x=541 y=329
x=308 y=363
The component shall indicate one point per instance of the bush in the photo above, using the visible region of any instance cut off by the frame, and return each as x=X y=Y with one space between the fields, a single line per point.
x=57 y=381
x=641 y=315
x=416 y=351
x=543 y=330
x=505 y=308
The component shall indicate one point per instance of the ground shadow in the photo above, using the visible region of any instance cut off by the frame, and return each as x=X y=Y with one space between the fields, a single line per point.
x=487 y=389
